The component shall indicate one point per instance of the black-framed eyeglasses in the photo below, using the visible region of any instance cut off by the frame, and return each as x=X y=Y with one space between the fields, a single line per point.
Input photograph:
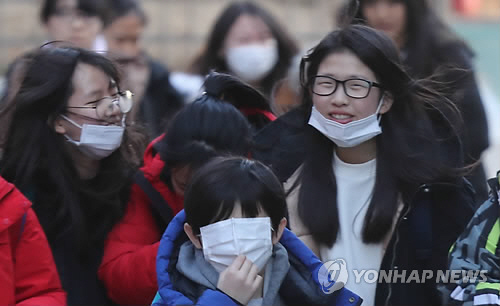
x=104 y=106
x=323 y=85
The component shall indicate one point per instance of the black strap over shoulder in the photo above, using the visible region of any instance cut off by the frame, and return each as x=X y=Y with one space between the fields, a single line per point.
x=162 y=212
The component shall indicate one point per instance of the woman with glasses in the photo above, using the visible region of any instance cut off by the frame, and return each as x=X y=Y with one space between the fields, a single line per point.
x=64 y=151
x=429 y=47
x=363 y=165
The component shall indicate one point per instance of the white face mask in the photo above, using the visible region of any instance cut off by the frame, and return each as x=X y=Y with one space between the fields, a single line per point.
x=350 y=134
x=223 y=241
x=97 y=141
x=252 y=62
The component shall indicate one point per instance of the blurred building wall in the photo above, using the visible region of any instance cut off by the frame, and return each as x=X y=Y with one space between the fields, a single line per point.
x=177 y=28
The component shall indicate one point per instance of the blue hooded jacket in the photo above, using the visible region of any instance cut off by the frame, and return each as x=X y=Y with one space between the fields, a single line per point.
x=304 y=267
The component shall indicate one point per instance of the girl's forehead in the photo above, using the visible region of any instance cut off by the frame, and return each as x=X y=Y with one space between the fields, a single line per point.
x=344 y=64
x=88 y=80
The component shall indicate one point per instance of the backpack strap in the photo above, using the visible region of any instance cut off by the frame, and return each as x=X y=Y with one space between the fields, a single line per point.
x=162 y=212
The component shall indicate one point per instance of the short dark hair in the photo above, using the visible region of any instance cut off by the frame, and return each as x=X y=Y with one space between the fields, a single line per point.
x=119 y=8
x=89 y=7
x=224 y=182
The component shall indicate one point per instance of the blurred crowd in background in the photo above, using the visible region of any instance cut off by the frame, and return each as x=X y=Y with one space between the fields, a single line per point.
x=175 y=32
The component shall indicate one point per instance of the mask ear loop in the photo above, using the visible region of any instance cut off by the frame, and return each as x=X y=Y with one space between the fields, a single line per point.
x=380 y=103
x=71 y=121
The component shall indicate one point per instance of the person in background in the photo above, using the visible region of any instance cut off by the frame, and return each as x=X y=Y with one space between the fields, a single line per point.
x=69 y=151
x=429 y=47
x=207 y=127
x=78 y=22
x=157 y=101
x=476 y=254
x=246 y=41
x=373 y=183
x=28 y=273
x=230 y=245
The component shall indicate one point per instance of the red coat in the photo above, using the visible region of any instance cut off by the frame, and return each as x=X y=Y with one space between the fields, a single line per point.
x=128 y=267
x=28 y=274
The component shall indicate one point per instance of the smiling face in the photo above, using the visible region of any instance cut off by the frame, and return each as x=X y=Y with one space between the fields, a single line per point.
x=89 y=83
x=338 y=106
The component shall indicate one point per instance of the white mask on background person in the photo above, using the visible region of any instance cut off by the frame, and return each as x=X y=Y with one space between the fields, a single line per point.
x=223 y=241
x=252 y=62
x=97 y=141
x=350 y=134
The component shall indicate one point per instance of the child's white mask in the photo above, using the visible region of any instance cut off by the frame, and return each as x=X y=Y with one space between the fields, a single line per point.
x=97 y=141
x=223 y=241
x=350 y=134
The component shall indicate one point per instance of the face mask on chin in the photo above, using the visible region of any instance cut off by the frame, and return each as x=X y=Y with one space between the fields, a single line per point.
x=252 y=62
x=350 y=134
x=97 y=141
x=223 y=241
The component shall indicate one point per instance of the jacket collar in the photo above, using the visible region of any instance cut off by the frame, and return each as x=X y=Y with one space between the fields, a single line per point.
x=296 y=251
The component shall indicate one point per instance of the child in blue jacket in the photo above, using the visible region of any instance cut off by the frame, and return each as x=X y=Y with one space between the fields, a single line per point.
x=230 y=246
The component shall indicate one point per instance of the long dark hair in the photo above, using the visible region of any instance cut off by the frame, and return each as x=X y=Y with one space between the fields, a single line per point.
x=426 y=34
x=14 y=76
x=407 y=150
x=210 y=57
x=37 y=161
